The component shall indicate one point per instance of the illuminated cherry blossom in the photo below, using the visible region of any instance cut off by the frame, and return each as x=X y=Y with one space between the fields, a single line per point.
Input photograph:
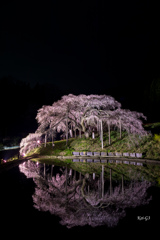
x=29 y=143
x=86 y=114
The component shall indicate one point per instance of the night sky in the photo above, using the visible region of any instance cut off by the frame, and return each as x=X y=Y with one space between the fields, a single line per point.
x=100 y=47
x=80 y=43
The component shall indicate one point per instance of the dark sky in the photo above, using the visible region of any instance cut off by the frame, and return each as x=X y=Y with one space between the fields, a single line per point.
x=80 y=44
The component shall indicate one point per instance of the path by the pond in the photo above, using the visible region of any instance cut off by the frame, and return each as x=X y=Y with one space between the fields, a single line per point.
x=8 y=165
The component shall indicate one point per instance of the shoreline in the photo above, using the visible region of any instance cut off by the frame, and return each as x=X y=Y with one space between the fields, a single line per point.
x=100 y=158
x=86 y=159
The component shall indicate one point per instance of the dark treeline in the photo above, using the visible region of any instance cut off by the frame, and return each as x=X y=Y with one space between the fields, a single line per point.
x=19 y=102
x=140 y=96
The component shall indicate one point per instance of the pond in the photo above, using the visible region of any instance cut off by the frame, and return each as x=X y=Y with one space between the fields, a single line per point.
x=72 y=198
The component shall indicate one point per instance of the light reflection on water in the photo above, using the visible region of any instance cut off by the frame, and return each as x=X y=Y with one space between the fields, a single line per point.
x=98 y=198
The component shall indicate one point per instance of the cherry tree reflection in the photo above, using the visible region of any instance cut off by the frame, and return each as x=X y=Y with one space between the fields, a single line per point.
x=78 y=200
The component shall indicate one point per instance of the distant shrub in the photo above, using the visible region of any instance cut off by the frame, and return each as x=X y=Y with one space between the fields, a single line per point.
x=1 y=146
x=157 y=137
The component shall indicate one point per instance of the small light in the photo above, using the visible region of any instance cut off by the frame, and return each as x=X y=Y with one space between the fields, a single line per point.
x=24 y=154
x=4 y=161
x=37 y=163
x=38 y=141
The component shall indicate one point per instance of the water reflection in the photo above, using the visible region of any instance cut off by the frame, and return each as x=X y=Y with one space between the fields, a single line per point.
x=85 y=199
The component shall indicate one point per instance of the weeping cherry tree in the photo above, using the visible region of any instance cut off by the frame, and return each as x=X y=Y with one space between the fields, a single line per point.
x=85 y=113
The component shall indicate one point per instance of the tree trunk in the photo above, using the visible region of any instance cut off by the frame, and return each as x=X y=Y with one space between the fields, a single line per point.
x=120 y=127
x=99 y=186
x=83 y=125
x=52 y=138
x=67 y=130
x=75 y=133
x=94 y=176
x=109 y=133
x=52 y=166
x=122 y=183
x=45 y=140
x=102 y=181
x=93 y=136
x=70 y=172
x=74 y=177
x=88 y=189
x=110 y=181
x=86 y=134
x=66 y=184
x=102 y=134
x=71 y=133
x=80 y=133
x=98 y=127
x=44 y=170
x=71 y=130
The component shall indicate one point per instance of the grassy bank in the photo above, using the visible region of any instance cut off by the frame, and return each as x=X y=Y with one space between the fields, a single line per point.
x=148 y=145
